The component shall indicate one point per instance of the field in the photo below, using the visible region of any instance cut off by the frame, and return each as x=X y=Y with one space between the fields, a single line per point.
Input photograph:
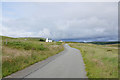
x=18 y=53
x=101 y=61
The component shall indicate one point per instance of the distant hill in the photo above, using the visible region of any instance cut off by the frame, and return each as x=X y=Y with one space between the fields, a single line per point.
x=23 y=38
x=6 y=37
x=103 y=43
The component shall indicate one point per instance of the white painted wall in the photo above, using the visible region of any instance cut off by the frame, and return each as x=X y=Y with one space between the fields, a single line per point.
x=47 y=40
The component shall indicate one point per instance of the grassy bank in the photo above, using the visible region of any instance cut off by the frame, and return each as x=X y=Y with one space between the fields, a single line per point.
x=19 y=53
x=101 y=61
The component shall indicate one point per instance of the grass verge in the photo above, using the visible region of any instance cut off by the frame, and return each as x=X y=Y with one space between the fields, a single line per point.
x=18 y=54
x=101 y=61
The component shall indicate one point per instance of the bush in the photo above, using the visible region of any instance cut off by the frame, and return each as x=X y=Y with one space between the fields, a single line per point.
x=42 y=39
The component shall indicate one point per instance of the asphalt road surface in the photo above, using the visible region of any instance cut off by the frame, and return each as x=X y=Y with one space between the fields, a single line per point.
x=68 y=65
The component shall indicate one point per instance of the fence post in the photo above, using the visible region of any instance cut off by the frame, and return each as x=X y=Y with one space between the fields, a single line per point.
x=6 y=41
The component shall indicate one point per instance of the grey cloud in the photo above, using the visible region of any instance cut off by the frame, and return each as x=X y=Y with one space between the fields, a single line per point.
x=63 y=21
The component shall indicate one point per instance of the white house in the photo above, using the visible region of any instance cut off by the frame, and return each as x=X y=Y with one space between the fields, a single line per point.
x=47 y=40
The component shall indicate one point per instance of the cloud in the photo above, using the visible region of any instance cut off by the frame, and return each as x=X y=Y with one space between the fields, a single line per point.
x=8 y=32
x=84 y=21
x=44 y=33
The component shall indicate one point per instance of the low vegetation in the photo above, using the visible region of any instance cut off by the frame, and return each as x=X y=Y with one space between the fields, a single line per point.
x=18 y=53
x=25 y=45
x=101 y=61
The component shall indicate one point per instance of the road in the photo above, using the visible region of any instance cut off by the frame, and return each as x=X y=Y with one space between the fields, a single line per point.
x=69 y=64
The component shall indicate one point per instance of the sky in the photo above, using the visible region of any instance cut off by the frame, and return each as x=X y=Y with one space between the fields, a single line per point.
x=76 y=21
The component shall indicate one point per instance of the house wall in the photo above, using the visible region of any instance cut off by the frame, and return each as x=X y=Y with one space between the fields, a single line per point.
x=47 y=40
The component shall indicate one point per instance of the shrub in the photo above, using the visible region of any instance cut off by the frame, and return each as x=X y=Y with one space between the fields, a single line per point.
x=42 y=39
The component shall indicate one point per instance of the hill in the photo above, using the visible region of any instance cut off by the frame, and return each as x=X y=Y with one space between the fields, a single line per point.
x=103 y=43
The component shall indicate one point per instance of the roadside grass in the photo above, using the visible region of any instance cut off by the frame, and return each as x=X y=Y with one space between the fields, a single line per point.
x=59 y=43
x=101 y=61
x=0 y=57
x=25 y=45
x=18 y=54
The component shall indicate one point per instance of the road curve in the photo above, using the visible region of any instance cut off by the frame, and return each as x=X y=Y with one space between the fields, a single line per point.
x=68 y=65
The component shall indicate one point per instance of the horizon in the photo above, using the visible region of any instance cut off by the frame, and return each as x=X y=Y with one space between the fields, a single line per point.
x=67 y=40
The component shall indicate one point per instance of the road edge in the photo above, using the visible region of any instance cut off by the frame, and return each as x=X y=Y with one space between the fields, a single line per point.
x=32 y=68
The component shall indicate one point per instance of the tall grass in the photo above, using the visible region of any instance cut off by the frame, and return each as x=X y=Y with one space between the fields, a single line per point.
x=101 y=61
x=0 y=65
x=18 y=53
x=25 y=45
